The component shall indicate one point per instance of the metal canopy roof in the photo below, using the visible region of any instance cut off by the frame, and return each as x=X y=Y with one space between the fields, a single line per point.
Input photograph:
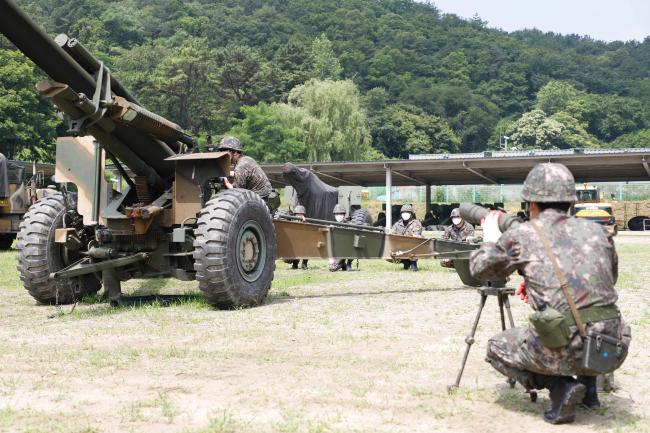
x=479 y=168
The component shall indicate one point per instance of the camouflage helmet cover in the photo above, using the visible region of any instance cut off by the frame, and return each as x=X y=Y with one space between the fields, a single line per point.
x=406 y=208
x=300 y=209
x=455 y=212
x=230 y=143
x=549 y=183
x=338 y=209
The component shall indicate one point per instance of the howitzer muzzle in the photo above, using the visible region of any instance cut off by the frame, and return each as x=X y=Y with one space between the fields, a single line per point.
x=474 y=214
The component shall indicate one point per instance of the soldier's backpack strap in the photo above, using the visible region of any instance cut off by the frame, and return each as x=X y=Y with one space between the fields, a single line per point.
x=563 y=282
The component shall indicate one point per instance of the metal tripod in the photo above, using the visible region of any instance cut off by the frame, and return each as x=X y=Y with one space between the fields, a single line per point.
x=501 y=292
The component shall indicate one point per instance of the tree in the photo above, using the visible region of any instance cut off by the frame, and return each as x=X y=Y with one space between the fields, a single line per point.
x=326 y=65
x=28 y=124
x=636 y=139
x=402 y=129
x=556 y=96
x=330 y=119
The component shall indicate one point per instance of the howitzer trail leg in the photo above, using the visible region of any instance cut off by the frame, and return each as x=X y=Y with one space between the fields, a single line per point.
x=469 y=340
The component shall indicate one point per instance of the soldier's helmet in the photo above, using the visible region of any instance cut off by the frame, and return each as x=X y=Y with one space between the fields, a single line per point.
x=455 y=212
x=300 y=209
x=338 y=209
x=406 y=208
x=230 y=143
x=549 y=183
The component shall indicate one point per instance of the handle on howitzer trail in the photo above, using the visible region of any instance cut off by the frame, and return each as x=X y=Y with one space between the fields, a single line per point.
x=474 y=214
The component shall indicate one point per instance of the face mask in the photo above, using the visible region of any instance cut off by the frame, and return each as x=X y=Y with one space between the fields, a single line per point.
x=339 y=217
x=456 y=221
x=406 y=216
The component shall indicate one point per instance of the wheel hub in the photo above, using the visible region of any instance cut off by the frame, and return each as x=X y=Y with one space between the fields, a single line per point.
x=251 y=250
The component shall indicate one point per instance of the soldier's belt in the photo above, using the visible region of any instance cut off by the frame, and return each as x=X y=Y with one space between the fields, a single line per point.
x=593 y=314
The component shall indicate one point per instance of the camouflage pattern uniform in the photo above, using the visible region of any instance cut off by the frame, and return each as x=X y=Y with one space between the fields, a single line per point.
x=587 y=257
x=412 y=227
x=459 y=234
x=249 y=175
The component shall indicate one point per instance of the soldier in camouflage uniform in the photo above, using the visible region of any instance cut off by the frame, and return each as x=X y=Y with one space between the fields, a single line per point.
x=459 y=231
x=248 y=174
x=299 y=212
x=408 y=225
x=342 y=264
x=587 y=258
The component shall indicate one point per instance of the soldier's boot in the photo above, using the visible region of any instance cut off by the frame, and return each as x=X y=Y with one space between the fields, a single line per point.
x=591 y=396
x=565 y=393
x=294 y=264
x=407 y=264
x=414 y=265
x=304 y=265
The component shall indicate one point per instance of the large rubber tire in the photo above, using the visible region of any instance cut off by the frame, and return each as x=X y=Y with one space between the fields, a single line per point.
x=6 y=240
x=361 y=217
x=38 y=256
x=636 y=223
x=234 y=249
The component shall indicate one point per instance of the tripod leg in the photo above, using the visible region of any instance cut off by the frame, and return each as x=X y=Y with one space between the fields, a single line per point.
x=506 y=302
x=469 y=340
x=500 y=297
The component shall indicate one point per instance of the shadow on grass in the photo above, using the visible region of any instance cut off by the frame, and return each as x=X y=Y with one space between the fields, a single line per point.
x=614 y=414
x=284 y=296
x=130 y=303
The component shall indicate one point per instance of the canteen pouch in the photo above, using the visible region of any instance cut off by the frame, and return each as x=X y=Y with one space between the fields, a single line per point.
x=551 y=327
x=602 y=353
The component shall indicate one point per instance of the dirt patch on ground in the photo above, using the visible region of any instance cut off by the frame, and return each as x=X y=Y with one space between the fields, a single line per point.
x=370 y=350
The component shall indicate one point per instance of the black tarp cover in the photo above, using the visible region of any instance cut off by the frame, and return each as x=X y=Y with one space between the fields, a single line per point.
x=4 y=177
x=316 y=196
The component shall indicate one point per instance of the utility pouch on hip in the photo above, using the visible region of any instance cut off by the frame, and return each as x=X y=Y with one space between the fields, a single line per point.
x=552 y=328
x=602 y=353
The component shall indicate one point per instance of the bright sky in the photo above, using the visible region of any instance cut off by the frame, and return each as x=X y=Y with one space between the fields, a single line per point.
x=607 y=20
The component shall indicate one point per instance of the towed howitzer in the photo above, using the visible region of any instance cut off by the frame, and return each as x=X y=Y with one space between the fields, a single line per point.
x=166 y=221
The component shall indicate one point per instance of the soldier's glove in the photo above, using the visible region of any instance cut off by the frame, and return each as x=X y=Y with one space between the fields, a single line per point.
x=491 y=230
x=521 y=291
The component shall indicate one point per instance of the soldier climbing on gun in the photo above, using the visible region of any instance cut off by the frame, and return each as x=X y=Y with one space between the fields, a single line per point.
x=247 y=173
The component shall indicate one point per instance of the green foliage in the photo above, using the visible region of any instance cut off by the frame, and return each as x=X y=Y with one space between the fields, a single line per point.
x=199 y=63
x=325 y=65
x=400 y=130
x=330 y=119
x=265 y=136
x=28 y=125
x=636 y=139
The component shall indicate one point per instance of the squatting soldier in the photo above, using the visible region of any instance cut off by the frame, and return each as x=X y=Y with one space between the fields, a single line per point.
x=459 y=230
x=343 y=264
x=407 y=225
x=554 y=253
x=247 y=173
x=299 y=211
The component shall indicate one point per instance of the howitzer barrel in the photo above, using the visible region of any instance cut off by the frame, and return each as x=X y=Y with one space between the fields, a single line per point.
x=139 y=138
x=474 y=214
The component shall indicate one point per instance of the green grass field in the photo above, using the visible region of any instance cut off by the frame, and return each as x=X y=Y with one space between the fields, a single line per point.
x=369 y=350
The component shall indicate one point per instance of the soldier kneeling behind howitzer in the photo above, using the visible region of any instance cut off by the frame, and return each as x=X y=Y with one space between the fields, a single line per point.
x=342 y=264
x=459 y=230
x=407 y=225
x=577 y=331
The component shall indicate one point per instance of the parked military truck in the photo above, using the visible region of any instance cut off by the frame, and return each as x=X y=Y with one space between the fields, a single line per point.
x=21 y=184
x=173 y=218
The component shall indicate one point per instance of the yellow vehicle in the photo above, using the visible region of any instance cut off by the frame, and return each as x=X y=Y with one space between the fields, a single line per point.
x=591 y=205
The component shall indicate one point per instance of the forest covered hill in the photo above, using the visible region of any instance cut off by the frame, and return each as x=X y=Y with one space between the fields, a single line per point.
x=340 y=79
